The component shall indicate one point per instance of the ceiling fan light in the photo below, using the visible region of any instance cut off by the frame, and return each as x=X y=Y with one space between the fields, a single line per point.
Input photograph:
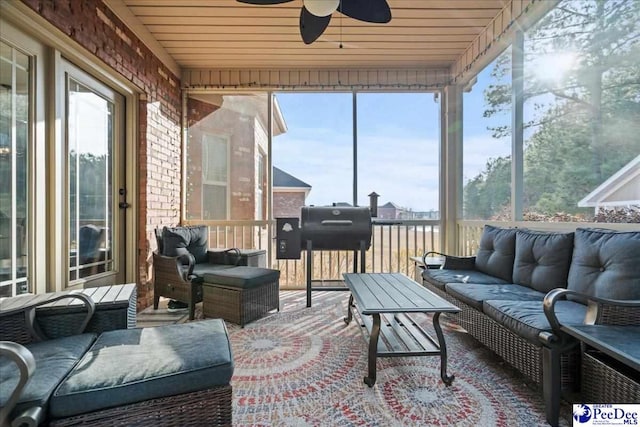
x=321 y=7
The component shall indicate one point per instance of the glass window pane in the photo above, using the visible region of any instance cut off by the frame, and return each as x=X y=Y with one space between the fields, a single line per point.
x=15 y=98
x=225 y=138
x=22 y=95
x=487 y=142
x=212 y=197
x=214 y=159
x=313 y=154
x=90 y=132
x=582 y=112
x=398 y=153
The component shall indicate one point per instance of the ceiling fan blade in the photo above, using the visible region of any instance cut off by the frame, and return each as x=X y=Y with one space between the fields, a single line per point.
x=376 y=11
x=261 y=2
x=311 y=26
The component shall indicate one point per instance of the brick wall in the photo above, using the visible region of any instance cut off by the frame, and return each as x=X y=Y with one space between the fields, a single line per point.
x=287 y=204
x=96 y=28
x=241 y=132
x=197 y=114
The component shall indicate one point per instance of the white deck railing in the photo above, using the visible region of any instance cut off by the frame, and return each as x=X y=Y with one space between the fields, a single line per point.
x=392 y=245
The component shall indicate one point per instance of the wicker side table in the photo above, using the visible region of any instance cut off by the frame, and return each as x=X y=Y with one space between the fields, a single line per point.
x=115 y=309
x=610 y=362
x=240 y=294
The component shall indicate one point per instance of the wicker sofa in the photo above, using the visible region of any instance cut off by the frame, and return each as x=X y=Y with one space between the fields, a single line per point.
x=501 y=292
x=162 y=376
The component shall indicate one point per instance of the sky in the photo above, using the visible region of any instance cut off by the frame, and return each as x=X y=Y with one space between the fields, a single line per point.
x=398 y=144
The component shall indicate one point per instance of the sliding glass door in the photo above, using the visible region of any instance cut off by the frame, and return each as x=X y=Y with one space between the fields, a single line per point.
x=96 y=197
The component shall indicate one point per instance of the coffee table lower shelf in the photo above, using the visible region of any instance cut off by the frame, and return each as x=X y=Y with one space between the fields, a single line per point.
x=398 y=335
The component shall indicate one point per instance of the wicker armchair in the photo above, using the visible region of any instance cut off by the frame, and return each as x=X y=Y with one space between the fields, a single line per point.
x=180 y=262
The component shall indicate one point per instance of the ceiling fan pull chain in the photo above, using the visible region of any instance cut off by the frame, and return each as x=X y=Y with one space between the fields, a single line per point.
x=340 y=25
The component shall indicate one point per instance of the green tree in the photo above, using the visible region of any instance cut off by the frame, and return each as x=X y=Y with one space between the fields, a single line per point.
x=485 y=194
x=582 y=92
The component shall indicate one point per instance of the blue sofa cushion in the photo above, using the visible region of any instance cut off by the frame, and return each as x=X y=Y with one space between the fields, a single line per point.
x=54 y=360
x=526 y=318
x=542 y=259
x=242 y=277
x=606 y=264
x=474 y=294
x=192 y=240
x=496 y=252
x=133 y=365
x=439 y=278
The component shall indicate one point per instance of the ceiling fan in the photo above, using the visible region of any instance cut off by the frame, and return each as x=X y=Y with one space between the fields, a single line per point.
x=316 y=14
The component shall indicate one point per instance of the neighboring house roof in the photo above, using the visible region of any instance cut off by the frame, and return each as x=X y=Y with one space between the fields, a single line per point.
x=283 y=179
x=622 y=188
x=390 y=205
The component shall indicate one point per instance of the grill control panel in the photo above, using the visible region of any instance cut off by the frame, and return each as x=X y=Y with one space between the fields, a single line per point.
x=287 y=238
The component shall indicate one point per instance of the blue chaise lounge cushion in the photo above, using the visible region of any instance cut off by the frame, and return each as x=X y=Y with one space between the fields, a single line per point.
x=54 y=358
x=134 y=365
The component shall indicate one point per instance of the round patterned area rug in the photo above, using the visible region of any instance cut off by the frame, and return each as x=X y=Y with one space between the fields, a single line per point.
x=305 y=367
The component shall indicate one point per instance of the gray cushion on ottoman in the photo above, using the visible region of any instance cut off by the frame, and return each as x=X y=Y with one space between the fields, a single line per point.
x=242 y=277
x=134 y=365
x=54 y=360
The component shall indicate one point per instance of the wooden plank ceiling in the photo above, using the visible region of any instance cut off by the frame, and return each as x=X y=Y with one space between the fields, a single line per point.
x=221 y=34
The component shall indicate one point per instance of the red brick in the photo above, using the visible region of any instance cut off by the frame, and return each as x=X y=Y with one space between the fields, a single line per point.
x=159 y=128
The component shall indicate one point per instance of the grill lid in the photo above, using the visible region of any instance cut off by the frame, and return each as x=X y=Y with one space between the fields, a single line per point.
x=336 y=228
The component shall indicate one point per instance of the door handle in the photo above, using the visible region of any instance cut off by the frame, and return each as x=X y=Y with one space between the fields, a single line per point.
x=123 y=205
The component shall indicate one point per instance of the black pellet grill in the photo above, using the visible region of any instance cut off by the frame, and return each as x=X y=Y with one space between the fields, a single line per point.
x=325 y=228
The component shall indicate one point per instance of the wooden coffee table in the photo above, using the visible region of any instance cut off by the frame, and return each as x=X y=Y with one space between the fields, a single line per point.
x=383 y=302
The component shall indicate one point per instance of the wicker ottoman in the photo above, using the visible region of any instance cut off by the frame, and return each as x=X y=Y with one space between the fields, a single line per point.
x=240 y=294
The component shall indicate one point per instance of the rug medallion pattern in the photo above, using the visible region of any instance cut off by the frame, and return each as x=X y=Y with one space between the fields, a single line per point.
x=305 y=367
